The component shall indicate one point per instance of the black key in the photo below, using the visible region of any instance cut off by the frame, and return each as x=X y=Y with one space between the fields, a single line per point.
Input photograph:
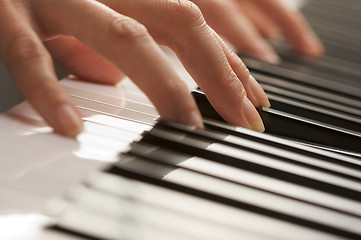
x=282 y=153
x=189 y=185
x=240 y=176
x=255 y=162
x=283 y=124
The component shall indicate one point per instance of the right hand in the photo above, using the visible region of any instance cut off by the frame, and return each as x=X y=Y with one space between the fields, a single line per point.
x=98 y=40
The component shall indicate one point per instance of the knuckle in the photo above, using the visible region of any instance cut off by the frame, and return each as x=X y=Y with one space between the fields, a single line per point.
x=24 y=49
x=128 y=28
x=41 y=91
x=188 y=11
x=230 y=82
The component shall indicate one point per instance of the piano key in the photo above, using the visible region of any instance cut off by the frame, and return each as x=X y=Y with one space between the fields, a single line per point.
x=306 y=150
x=108 y=119
x=333 y=84
x=266 y=149
x=102 y=144
x=334 y=118
x=338 y=17
x=12 y=200
x=36 y=185
x=114 y=110
x=256 y=162
x=176 y=177
x=327 y=64
x=92 y=225
x=53 y=234
x=310 y=94
x=131 y=126
x=141 y=212
x=118 y=135
x=243 y=197
x=120 y=101
x=341 y=35
x=247 y=178
x=328 y=67
x=283 y=124
x=153 y=193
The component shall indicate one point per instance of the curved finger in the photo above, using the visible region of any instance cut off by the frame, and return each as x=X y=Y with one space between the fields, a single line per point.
x=81 y=61
x=228 y=20
x=30 y=66
x=126 y=43
x=255 y=93
x=181 y=26
x=202 y=55
x=294 y=26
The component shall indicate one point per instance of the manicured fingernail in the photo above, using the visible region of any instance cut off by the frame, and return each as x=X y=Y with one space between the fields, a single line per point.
x=251 y=115
x=257 y=95
x=194 y=119
x=69 y=120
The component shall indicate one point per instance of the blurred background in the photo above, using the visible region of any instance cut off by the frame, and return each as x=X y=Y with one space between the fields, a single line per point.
x=9 y=94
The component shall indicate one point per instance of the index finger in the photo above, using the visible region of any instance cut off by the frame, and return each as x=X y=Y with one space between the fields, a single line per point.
x=128 y=45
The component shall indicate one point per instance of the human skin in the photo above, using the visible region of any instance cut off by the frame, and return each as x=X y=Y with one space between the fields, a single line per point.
x=248 y=24
x=104 y=40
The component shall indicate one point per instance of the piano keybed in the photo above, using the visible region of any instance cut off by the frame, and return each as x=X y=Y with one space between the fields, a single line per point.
x=299 y=180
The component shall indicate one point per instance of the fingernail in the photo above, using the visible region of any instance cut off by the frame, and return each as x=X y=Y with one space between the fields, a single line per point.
x=194 y=119
x=265 y=53
x=69 y=120
x=270 y=58
x=313 y=46
x=257 y=95
x=251 y=115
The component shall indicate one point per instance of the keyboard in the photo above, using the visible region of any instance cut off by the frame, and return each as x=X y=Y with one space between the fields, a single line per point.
x=301 y=179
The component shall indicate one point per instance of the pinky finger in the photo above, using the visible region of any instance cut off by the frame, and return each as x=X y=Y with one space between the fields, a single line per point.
x=31 y=68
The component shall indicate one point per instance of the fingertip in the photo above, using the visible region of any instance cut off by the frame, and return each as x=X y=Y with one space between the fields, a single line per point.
x=253 y=119
x=256 y=94
x=271 y=58
x=195 y=119
x=312 y=45
x=263 y=51
x=68 y=120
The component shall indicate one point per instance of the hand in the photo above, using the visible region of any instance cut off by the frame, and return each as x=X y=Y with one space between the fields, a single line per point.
x=95 y=39
x=246 y=24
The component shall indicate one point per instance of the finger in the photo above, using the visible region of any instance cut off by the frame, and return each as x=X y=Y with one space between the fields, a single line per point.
x=180 y=25
x=254 y=91
x=81 y=61
x=227 y=19
x=262 y=22
x=31 y=68
x=294 y=26
x=126 y=43
x=215 y=75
